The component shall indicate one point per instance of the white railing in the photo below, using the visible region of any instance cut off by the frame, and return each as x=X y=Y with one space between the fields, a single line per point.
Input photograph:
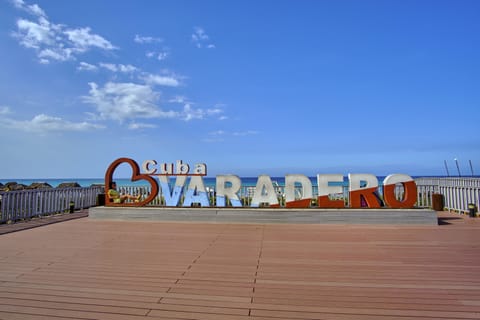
x=457 y=193
x=26 y=204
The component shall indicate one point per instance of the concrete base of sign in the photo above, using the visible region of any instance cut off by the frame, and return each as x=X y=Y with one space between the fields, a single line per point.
x=267 y=215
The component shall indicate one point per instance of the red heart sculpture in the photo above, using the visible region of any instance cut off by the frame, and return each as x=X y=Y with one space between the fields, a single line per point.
x=136 y=176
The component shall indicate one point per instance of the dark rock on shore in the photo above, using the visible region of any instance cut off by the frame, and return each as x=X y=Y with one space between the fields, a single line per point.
x=39 y=185
x=13 y=186
x=69 y=185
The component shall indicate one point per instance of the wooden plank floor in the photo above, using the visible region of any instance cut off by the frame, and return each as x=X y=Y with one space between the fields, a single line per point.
x=84 y=269
x=41 y=221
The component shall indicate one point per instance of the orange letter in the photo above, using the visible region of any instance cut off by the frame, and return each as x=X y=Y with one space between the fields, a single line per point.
x=306 y=194
x=367 y=192
x=324 y=190
x=410 y=191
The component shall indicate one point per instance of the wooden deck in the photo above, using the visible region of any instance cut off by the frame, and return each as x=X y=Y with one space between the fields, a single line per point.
x=84 y=269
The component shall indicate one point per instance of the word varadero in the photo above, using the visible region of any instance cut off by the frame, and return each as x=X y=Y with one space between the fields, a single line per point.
x=362 y=188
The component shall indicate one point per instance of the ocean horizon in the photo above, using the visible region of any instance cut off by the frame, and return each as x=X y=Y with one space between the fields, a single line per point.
x=209 y=181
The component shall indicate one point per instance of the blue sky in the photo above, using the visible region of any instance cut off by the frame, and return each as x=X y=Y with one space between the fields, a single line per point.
x=247 y=87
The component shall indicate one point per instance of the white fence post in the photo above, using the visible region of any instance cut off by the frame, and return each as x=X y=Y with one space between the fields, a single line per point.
x=24 y=204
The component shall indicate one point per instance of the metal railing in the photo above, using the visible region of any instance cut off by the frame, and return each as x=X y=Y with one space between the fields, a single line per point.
x=26 y=204
x=457 y=192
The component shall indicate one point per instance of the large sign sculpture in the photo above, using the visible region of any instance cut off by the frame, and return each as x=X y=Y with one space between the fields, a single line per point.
x=363 y=188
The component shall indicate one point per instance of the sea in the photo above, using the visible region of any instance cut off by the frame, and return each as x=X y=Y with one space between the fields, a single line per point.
x=209 y=181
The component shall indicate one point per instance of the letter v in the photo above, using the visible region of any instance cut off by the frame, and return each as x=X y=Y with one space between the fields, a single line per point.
x=172 y=198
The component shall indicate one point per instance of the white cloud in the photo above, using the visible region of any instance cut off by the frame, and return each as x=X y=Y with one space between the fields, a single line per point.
x=129 y=101
x=43 y=123
x=126 y=68
x=83 y=39
x=245 y=133
x=46 y=55
x=118 y=67
x=237 y=133
x=160 y=56
x=35 y=35
x=18 y=3
x=126 y=101
x=109 y=66
x=54 y=42
x=199 y=35
x=217 y=133
x=33 y=9
x=146 y=39
x=215 y=136
x=190 y=113
x=201 y=39
x=215 y=111
x=158 y=80
x=221 y=136
x=138 y=126
x=178 y=99
x=84 y=66
x=4 y=110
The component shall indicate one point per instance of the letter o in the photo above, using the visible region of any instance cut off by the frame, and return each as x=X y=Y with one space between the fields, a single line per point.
x=410 y=191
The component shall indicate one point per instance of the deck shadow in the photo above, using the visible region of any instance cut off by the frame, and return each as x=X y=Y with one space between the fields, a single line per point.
x=442 y=221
